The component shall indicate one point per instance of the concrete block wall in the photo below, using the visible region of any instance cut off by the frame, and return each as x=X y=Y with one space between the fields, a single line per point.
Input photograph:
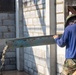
x=60 y=29
x=7 y=30
x=36 y=59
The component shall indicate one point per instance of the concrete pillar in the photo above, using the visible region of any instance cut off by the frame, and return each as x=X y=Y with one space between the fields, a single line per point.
x=19 y=33
x=51 y=22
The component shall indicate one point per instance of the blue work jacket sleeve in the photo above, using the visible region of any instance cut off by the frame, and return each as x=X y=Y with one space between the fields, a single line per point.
x=63 y=40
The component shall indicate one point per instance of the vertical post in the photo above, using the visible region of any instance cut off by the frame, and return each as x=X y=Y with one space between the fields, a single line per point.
x=51 y=22
x=19 y=33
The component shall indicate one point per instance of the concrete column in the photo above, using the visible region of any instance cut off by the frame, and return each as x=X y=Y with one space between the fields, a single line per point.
x=51 y=22
x=19 y=33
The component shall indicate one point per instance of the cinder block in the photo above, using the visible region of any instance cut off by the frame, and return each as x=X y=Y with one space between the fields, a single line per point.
x=31 y=71
x=35 y=73
x=30 y=64
x=3 y=29
x=9 y=35
x=7 y=62
x=1 y=36
x=8 y=22
x=35 y=68
x=31 y=58
x=26 y=56
x=10 y=54
x=11 y=29
x=41 y=69
x=3 y=16
x=12 y=61
x=10 y=67
x=11 y=16
x=26 y=69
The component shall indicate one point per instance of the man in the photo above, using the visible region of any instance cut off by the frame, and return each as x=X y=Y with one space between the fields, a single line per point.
x=68 y=39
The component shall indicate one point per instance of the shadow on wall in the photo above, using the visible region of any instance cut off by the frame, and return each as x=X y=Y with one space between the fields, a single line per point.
x=33 y=63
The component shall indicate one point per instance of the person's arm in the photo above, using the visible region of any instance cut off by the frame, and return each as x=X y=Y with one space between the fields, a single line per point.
x=62 y=41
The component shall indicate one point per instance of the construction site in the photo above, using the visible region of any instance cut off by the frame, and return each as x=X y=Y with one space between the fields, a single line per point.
x=27 y=27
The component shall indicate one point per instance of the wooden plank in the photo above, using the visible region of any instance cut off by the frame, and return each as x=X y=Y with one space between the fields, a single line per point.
x=30 y=41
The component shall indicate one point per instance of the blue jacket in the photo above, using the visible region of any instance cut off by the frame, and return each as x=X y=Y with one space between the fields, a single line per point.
x=68 y=39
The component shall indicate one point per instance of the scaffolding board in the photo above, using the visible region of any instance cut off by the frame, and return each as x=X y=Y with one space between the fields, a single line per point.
x=30 y=41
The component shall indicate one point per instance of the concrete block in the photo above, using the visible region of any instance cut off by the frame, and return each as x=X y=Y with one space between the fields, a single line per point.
x=10 y=67
x=35 y=73
x=8 y=22
x=38 y=13
x=35 y=68
x=43 y=63
x=1 y=22
x=3 y=16
x=33 y=14
x=25 y=63
x=59 y=68
x=41 y=69
x=30 y=64
x=9 y=35
x=26 y=69
x=60 y=18
x=11 y=29
x=7 y=61
x=3 y=29
x=11 y=16
x=12 y=61
x=34 y=7
x=26 y=56
x=31 y=58
x=30 y=22
x=47 y=71
x=59 y=8
x=28 y=50
x=1 y=36
x=31 y=71
x=10 y=54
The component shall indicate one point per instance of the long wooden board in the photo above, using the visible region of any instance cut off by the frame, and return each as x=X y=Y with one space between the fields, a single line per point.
x=30 y=41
